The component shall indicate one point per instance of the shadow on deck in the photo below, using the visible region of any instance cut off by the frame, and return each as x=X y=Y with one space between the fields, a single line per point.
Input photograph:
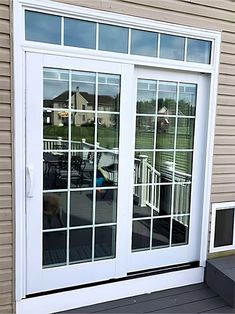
x=197 y=298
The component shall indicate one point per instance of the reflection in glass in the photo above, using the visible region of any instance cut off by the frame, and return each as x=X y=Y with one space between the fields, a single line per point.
x=183 y=166
x=55 y=129
x=82 y=130
x=187 y=99
x=81 y=208
x=55 y=170
x=165 y=132
x=80 y=244
x=108 y=130
x=161 y=232
x=162 y=204
x=55 y=90
x=83 y=91
x=198 y=51
x=142 y=201
x=107 y=169
x=145 y=132
x=45 y=28
x=54 y=210
x=108 y=92
x=106 y=206
x=143 y=167
x=113 y=38
x=172 y=47
x=105 y=242
x=146 y=96
x=78 y=33
x=141 y=235
x=180 y=230
x=164 y=161
x=185 y=133
x=167 y=98
x=224 y=225
x=182 y=198
x=54 y=248
x=144 y=43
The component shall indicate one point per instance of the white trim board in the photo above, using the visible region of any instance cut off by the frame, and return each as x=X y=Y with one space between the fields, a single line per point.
x=107 y=292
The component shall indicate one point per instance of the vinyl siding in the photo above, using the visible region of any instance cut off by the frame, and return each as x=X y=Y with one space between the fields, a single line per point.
x=6 y=224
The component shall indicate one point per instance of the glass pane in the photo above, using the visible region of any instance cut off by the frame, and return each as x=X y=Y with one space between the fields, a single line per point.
x=164 y=161
x=142 y=199
x=161 y=232
x=55 y=170
x=187 y=99
x=182 y=198
x=108 y=92
x=108 y=130
x=183 y=166
x=172 y=47
x=42 y=27
x=144 y=43
x=80 y=243
x=224 y=227
x=81 y=208
x=185 y=133
x=54 y=210
x=55 y=129
x=106 y=206
x=162 y=198
x=198 y=51
x=83 y=91
x=105 y=242
x=145 y=127
x=79 y=33
x=82 y=130
x=55 y=91
x=113 y=38
x=143 y=167
x=146 y=96
x=165 y=132
x=107 y=168
x=180 y=230
x=141 y=235
x=167 y=98
x=54 y=248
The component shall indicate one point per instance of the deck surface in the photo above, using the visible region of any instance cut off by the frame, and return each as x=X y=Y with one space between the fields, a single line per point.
x=189 y=299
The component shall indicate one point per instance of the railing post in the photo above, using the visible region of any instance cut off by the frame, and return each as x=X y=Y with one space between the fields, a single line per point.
x=143 y=188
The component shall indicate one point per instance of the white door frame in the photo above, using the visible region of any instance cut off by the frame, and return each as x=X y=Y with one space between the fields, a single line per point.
x=20 y=47
x=148 y=259
x=39 y=279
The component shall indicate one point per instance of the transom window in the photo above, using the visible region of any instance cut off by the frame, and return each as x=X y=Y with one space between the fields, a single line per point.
x=91 y=35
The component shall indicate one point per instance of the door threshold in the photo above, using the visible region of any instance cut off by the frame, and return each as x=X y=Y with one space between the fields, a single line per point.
x=76 y=298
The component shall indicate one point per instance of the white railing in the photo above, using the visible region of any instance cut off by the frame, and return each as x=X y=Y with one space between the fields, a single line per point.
x=146 y=175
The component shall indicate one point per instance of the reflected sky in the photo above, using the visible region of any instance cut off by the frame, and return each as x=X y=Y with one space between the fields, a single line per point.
x=198 y=51
x=172 y=47
x=42 y=27
x=144 y=43
x=79 y=33
x=113 y=38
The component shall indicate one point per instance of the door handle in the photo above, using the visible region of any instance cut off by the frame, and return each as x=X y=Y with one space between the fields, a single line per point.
x=30 y=175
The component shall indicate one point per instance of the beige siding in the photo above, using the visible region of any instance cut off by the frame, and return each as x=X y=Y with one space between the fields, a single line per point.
x=6 y=225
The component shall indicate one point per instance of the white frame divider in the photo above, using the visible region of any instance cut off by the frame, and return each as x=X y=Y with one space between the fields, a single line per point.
x=20 y=47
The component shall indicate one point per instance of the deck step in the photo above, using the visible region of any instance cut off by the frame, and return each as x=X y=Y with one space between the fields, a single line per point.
x=220 y=277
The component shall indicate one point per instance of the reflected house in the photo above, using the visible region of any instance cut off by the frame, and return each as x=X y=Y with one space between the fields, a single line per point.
x=81 y=101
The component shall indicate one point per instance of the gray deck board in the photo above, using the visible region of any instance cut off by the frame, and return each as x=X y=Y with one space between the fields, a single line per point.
x=188 y=299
